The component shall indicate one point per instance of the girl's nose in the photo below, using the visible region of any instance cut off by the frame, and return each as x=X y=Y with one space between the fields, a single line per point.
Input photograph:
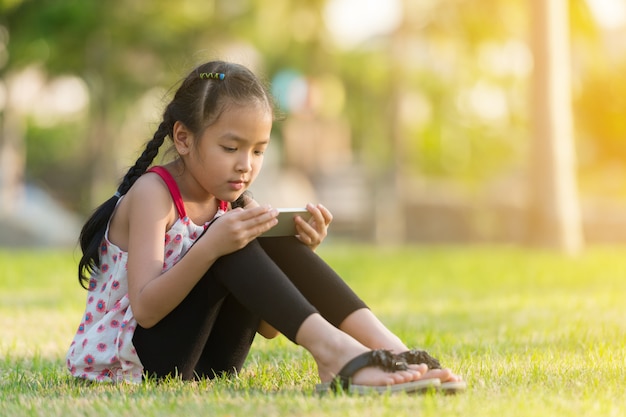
x=244 y=163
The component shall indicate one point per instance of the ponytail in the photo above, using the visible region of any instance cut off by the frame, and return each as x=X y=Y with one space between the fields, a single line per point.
x=94 y=229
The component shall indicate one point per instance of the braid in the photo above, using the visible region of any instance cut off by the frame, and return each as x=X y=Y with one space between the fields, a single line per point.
x=146 y=158
x=94 y=229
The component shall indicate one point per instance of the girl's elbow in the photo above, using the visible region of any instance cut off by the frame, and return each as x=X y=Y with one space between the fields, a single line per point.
x=145 y=323
x=144 y=313
x=144 y=320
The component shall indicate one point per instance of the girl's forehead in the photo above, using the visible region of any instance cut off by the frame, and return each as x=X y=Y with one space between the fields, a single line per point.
x=252 y=112
x=236 y=112
x=252 y=121
x=253 y=104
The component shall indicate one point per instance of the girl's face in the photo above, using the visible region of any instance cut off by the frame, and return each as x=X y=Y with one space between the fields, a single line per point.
x=228 y=156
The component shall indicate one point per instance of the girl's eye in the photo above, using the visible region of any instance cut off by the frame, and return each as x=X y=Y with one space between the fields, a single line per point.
x=228 y=149
x=259 y=153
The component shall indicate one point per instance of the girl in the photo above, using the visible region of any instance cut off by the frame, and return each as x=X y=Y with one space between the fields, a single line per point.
x=178 y=282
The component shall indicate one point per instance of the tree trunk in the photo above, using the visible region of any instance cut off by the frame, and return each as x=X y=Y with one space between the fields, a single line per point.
x=390 y=217
x=554 y=209
x=12 y=159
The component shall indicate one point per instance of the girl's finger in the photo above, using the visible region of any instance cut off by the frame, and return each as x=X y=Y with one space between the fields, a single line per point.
x=255 y=212
x=326 y=214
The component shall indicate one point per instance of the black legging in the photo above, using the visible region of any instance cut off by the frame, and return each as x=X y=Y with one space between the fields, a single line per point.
x=210 y=332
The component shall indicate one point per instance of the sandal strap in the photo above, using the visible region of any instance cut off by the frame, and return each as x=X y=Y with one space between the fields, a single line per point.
x=380 y=358
x=416 y=357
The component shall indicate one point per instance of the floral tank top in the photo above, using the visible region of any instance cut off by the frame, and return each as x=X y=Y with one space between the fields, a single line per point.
x=102 y=349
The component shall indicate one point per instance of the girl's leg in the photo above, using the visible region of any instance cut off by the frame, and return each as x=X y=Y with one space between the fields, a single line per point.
x=229 y=342
x=255 y=280
x=259 y=285
x=335 y=300
x=174 y=344
x=314 y=278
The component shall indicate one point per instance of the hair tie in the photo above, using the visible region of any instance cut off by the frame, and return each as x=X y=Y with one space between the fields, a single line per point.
x=213 y=75
x=117 y=194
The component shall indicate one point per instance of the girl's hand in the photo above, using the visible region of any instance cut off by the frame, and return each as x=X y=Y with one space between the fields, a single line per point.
x=313 y=232
x=238 y=227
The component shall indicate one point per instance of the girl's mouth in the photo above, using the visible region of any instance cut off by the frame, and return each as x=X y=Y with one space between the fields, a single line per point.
x=236 y=185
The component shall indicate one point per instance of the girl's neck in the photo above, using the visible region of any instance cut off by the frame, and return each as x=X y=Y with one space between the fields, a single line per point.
x=200 y=205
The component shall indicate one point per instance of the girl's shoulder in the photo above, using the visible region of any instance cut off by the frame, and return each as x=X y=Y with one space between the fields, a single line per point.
x=150 y=183
x=150 y=194
x=147 y=203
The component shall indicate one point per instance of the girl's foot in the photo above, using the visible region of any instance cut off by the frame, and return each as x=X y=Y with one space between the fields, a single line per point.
x=433 y=367
x=332 y=349
x=345 y=381
x=365 y=327
x=374 y=375
x=444 y=375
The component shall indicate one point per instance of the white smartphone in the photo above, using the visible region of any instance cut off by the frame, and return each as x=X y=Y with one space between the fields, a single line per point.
x=286 y=225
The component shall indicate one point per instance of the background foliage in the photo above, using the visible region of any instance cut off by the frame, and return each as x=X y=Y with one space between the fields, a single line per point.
x=447 y=57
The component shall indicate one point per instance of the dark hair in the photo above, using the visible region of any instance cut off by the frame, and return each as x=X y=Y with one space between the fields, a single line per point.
x=198 y=102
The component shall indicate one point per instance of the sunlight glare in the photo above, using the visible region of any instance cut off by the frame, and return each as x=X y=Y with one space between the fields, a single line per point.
x=352 y=22
x=611 y=14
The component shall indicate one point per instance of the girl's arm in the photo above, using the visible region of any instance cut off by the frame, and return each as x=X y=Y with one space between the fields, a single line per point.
x=154 y=294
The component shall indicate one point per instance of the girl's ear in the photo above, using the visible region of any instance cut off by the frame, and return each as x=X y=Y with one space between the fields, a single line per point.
x=183 y=138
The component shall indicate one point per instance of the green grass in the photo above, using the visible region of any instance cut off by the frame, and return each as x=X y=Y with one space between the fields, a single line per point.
x=533 y=333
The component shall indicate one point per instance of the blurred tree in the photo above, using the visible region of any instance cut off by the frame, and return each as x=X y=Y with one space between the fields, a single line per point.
x=444 y=96
x=600 y=107
x=455 y=90
x=555 y=219
x=599 y=103
x=12 y=153
x=427 y=102
x=120 y=49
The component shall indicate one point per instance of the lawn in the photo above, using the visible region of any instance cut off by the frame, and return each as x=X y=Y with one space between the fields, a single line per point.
x=534 y=334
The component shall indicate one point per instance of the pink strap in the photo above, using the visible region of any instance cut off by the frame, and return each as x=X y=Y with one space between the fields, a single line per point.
x=173 y=187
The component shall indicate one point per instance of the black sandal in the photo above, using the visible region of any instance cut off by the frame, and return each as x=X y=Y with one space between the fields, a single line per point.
x=416 y=357
x=383 y=359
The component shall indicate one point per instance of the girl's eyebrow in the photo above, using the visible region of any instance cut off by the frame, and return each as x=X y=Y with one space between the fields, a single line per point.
x=234 y=137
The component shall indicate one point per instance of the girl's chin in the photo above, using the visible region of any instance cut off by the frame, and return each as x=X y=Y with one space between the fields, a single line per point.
x=232 y=197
